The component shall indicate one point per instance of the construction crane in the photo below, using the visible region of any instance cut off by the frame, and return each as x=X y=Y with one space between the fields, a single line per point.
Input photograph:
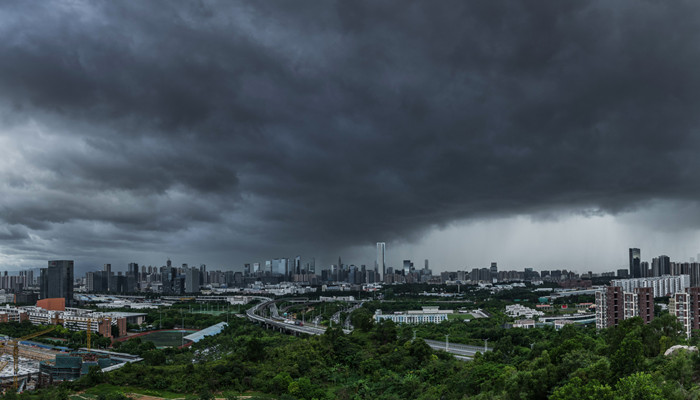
x=89 y=332
x=15 y=349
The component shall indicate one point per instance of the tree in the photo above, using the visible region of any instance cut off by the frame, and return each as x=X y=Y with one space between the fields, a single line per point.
x=628 y=358
x=385 y=331
x=301 y=388
x=575 y=389
x=362 y=319
x=154 y=357
x=638 y=386
x=255 y=349
x=280 y=383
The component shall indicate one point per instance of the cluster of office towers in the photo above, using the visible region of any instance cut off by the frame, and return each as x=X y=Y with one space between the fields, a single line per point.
x=661 y=265
x=167 y=279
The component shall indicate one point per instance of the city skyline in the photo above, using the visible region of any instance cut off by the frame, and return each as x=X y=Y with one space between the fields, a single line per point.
x=289 y=263
x=463 y=133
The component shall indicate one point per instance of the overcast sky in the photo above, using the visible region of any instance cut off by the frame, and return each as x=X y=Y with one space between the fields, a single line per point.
x=542 y=134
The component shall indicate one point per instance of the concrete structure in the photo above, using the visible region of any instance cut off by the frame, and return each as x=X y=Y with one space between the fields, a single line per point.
x=427 y=315
x=665 y=285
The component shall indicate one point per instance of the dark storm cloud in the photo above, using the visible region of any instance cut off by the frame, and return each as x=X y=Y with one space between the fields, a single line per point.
x=294 y=126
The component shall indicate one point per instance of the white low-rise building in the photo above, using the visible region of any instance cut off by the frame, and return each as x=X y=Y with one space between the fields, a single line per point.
x=524 y=323
x=519 y=310
x=428 y=315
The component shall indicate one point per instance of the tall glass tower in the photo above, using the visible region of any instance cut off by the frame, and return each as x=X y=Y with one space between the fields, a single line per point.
x=381 y=260
x=57 y=280
x=635 y=263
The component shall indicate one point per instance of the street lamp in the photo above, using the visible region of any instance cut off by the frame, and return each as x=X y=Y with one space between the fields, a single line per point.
x=447 y=342
x=486 y=341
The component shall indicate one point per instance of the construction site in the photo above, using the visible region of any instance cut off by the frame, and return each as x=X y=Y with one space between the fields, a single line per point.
x=27 y=365
x=20 y=361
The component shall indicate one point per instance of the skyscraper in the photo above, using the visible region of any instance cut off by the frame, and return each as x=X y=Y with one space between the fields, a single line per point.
x=311 y=266
x=664 y=265
x=192 y=280
x=297 y=265
x=381 y=260
x=132 y=277
x=280 y=266
x=57 y=280
x=635 y=263
x=133 y=269
x=407 y=267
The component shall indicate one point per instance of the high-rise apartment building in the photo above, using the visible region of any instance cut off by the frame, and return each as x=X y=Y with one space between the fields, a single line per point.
x=686 y=307
x=380 y=264
x=635 y=263
x=613 y=304
x=57 y=280
x=664 y=265
x=661 y=286
x=645 y=301
x=694 y=272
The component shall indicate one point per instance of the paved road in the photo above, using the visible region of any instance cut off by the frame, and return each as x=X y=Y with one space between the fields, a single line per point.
x=252 y=314
x=456 y=348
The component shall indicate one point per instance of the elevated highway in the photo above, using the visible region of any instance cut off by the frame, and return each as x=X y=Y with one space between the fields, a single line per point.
x=281 y=325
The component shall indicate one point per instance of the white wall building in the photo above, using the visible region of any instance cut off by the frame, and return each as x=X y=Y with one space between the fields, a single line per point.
x=428 y=315
x=664 y=285
x=524 y=323
x=519 y=310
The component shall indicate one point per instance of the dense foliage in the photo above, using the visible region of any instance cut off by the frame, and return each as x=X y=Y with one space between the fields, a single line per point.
x=382 y=361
